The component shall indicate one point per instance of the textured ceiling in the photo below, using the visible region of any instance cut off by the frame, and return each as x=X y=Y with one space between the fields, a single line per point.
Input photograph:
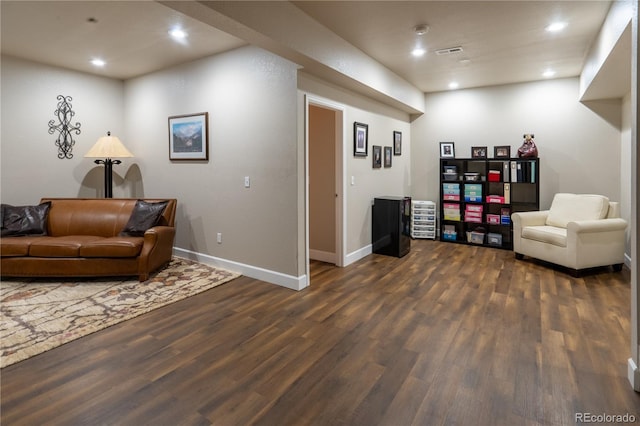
x=502 y=42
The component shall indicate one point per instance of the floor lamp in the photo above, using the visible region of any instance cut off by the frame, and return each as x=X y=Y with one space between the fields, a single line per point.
x=108 y=147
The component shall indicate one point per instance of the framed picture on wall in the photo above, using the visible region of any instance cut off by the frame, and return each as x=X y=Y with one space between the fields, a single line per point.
x=503 y=151
x=478 y=152
x=397 y=143
x=377 y=156
x=387 y=156
x=447 y=150
x=189 y=137
x=360 y=139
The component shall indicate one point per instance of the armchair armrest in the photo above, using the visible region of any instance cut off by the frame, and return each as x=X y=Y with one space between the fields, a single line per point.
x=592 y=226
x=533 y=218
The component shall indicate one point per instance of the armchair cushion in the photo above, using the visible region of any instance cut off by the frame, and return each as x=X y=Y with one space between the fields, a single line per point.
x=546 y=234
x=567 y=208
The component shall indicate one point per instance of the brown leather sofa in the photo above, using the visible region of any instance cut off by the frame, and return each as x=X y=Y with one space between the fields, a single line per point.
x=84 y=239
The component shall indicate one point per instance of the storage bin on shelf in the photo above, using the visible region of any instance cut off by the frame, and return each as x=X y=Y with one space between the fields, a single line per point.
x=494 y=239
x=475 y=237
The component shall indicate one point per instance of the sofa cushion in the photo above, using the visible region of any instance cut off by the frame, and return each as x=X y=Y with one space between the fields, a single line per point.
x=113 y=247
x=145 y=215
x=15 y=246
x=567 y=208
x=68 y=246
x=546 y=234
x=24 y=220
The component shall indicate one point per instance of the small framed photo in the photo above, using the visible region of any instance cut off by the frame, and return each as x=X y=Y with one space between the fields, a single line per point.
x=447 y=150
x=397 y=143
x=503 y=151
x=189 y=137
x=478 y=152
x=387 y=156
x=360 y=139
x=377 y=156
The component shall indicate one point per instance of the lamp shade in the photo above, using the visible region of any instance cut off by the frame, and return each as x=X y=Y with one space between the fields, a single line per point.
x=108 y=147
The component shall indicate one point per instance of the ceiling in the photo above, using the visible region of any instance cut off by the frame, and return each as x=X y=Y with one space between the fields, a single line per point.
x=502 y=41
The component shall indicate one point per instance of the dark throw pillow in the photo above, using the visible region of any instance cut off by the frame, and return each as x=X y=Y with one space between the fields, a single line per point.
x=19 y=221
x=144 y=216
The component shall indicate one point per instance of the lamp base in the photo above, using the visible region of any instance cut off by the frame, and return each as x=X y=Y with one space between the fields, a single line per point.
x=108 y=175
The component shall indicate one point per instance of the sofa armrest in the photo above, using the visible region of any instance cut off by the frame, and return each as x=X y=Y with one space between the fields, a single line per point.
x=591 y=226
x=156 y=250
x=158 y=237
x=533 y=218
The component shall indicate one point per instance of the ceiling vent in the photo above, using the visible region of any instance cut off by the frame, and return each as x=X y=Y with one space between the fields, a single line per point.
x=449 y=50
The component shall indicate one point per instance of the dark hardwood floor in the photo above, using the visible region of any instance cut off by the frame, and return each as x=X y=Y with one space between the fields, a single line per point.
x=448 y=335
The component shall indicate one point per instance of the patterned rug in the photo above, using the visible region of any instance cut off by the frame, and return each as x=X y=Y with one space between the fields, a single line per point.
x=39 y=314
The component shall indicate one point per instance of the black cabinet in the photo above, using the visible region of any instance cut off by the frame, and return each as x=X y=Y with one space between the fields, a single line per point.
x=390 y=226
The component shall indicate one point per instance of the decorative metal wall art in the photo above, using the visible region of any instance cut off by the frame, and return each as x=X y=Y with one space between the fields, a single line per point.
x=65 y=140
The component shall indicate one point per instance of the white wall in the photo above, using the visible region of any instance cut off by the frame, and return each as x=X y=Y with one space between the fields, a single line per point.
x=579 y=151
x=30 y=167
x=369 y=182
x=250 y=97
x=626 y=161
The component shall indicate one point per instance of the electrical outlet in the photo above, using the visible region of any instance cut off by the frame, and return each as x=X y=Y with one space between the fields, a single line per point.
x=219 y=237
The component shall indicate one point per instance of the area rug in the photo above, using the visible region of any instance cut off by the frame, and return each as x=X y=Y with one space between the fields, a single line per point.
x=38 y=314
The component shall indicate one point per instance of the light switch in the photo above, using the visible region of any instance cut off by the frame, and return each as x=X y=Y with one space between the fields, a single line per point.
x=247 y=182
x=353 y=180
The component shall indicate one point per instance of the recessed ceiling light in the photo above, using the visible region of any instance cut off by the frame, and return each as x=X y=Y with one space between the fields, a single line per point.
x=556 y=26
x=98 y=62
x=421 y=29
x=418 y=51
x=453 y=85
x=178 y=33
x=548 y=73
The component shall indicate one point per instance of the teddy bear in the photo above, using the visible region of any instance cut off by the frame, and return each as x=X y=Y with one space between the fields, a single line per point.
x=528 y=148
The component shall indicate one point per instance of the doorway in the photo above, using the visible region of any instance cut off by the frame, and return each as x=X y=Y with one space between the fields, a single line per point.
x=325 y=185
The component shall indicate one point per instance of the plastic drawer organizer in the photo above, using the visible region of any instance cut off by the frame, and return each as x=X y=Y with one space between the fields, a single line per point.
x=423 y=219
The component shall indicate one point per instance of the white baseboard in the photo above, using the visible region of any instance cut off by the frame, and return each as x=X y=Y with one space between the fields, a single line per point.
x=322 y=256
x=358 y=254
x=284 y=280
x=633 y=374
x=627 y=260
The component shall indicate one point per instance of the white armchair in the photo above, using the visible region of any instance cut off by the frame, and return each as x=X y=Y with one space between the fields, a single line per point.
x=578 y=231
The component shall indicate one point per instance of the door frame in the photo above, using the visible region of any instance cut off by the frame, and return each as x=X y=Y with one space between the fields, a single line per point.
x=340 y=166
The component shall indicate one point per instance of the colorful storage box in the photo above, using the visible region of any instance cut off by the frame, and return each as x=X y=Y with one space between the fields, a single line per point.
x=450 y=236
x=495 y=199
x=494 y=176
x=493 y=219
